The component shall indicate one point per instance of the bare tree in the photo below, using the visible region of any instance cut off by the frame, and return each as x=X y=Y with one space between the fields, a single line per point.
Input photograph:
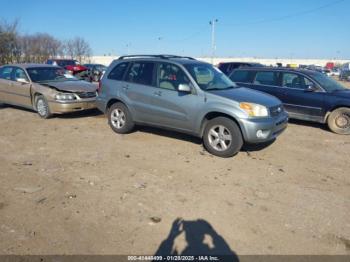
x=77 y=48
x=37 y=47
x=9 y=50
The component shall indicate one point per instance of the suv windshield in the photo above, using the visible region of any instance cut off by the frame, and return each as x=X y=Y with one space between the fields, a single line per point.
x=209 y=77
x=48 y=74
x=327 y=83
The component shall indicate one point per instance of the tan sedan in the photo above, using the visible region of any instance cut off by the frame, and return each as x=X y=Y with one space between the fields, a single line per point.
x=45 y=89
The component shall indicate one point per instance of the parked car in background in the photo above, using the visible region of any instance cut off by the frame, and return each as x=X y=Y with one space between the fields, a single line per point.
x=306 y=95
x=45 y=89
x=228 y=67
x=72 y=66
x=335 y=71
x=330 y=65
x=95 y=71
x=189 y=96
x=345 y=72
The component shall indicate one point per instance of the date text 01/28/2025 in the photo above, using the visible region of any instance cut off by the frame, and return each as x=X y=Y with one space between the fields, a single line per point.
x=173 y=258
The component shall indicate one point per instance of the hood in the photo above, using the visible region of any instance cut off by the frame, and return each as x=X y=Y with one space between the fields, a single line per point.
x=241 y=94
x=72 y=86
x=342 y=93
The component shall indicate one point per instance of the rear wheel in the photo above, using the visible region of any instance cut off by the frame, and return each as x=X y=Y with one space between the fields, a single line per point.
x=119 y=119
x=42 y=107
x=222 y=137
x=339 y=121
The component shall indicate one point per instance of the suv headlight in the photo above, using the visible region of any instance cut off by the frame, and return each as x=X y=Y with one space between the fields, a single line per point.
x=254 y=110
x=65 y=97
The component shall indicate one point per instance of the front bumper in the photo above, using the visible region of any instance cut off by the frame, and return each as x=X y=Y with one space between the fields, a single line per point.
x=264 y=129
x=67 y=107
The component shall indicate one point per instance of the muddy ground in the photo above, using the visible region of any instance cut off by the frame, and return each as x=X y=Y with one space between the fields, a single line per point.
x=69 y=185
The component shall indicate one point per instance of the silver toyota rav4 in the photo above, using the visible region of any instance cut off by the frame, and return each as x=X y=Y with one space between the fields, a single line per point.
x=189 y=96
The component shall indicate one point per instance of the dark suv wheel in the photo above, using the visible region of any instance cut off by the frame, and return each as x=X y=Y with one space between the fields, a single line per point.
x=339 y=121
x=222 y=137
x=119 y=119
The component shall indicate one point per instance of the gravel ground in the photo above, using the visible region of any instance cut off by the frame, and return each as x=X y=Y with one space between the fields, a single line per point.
x=69 y=185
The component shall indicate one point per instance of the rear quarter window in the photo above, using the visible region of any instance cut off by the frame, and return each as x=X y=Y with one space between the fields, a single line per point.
x=118 y=72
x=266 y=78
x=241 y=76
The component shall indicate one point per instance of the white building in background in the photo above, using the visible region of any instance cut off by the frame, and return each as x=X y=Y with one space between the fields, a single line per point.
x=106 y=60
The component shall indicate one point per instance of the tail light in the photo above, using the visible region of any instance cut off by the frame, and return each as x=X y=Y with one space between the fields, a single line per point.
x=99 y=86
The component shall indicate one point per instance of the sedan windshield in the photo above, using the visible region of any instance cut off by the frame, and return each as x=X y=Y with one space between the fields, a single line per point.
x=329 y=84
x=48 y=74
x=209 y=77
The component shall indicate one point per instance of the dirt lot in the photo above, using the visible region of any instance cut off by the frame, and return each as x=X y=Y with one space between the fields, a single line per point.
x=69 y=185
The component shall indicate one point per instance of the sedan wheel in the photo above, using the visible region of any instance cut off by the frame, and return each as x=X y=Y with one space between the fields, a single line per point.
x=42 y=107
x=339 y=121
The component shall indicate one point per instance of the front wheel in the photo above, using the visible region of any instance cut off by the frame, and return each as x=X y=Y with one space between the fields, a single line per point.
x=42 y=107
x=339 y=121
x=222 y=137
x=119 y=119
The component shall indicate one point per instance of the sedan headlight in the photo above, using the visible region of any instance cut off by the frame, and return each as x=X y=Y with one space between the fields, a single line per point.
x=65 y=97
x=254 y=110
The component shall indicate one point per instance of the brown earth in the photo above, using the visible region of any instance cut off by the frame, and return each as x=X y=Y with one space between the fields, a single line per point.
x=69 y=185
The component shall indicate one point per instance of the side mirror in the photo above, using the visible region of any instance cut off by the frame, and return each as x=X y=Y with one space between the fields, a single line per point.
x=22 y=80
x=184 y=88
x=311 y=88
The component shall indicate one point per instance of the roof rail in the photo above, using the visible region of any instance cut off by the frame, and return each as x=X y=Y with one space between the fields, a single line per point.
x=156 y=56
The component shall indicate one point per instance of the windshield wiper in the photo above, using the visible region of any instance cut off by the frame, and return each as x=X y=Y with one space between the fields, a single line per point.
x=215 y=88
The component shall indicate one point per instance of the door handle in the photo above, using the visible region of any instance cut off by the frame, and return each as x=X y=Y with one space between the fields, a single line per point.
x=126 y=87
x=157 y=93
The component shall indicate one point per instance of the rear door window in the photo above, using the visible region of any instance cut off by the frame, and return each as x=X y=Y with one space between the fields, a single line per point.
x=242 y=76
x=118 y=72
x=266 y=78
x=141 y=73
x=6 y=72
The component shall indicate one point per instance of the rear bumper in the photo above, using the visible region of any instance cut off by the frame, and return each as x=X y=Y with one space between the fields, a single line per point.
x=263 y=130
x=101 y=104
x=67 y=107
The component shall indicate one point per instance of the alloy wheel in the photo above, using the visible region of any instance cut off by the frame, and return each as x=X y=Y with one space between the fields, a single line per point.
x=219 y=138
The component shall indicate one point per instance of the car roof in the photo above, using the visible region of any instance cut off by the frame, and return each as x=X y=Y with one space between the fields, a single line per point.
x=32 y=65
x=245 y=63
x=61 y=59
x=285 y=69
x=160 y=58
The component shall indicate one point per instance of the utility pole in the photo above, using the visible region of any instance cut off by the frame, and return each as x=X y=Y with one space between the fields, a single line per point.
x=160 y=38
x=213 y=45
x=128 y=45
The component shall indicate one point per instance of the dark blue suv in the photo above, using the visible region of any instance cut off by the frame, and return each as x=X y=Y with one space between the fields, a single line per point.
x=306 y=94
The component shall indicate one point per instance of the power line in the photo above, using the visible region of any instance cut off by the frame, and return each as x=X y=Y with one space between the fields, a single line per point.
x=301 y=13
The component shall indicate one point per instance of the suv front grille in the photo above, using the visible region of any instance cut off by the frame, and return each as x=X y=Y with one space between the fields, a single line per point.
x=276 y=110
x=87 y=95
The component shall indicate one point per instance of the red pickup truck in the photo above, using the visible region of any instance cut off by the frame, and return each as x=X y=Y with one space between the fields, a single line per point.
x=71 y=65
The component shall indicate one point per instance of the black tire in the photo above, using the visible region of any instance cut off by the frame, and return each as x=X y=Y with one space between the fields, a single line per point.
x=339 y=121
x=230 y=129
x=42 y=107
x=123 y=123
